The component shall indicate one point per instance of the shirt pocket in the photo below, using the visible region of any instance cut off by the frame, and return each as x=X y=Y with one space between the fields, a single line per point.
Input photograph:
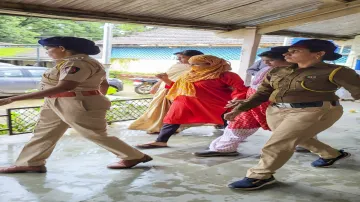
x=50 y=76
x=316 y=83
x=275 y=80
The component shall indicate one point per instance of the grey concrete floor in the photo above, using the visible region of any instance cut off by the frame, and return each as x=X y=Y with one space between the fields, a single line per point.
x=77 y=170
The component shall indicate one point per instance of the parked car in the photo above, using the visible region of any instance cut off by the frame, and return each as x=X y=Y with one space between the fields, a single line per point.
x=144 y=85
x=15 y=80
x=2 y=64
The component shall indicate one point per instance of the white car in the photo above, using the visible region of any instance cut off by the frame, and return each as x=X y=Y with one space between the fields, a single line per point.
x=5 y=64
x=15 y=80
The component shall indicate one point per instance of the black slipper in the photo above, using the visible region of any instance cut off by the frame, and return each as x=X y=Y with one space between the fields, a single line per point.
x=150 y=146
x=208 y=153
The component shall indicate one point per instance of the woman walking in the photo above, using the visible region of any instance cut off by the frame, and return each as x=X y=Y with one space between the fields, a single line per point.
x=74 y=97
x=304 y=104
x=199 y=97
x=247 y=123
x=152 y=120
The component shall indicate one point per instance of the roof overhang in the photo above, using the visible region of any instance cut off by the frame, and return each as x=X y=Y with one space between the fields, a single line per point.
x=271 y=17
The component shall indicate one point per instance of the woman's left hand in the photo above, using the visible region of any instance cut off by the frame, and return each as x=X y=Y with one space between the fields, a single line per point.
x=5 y=101
x=233 y=103
x=230 y=116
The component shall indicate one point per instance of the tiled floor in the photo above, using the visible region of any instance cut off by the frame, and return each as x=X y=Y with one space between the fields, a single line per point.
x=77 y=170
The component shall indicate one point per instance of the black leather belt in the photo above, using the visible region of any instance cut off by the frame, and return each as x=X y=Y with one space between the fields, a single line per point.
x=305 y=104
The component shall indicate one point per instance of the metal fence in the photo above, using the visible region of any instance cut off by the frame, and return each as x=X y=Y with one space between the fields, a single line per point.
x=3 y=124
x=23 y=53
x=23 y=120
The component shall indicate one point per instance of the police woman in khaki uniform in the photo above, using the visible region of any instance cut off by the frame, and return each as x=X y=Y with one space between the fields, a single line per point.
x=74 y=97
x=304 y=104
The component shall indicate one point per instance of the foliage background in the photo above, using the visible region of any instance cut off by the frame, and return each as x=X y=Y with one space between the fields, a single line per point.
x=27 y=30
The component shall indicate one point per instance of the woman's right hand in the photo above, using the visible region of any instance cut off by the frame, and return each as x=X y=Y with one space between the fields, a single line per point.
x=162 y=76
x=233 y=103
x=230 y=116
x=165 y=78
x=5 y=101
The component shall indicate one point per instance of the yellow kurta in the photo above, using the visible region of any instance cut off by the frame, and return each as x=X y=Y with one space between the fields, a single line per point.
x=152 y=120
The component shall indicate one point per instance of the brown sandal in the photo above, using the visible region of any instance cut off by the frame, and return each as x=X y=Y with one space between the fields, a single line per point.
x=23 y=169
x=125 y=164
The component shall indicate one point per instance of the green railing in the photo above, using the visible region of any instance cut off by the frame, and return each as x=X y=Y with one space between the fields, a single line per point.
x=23 y=120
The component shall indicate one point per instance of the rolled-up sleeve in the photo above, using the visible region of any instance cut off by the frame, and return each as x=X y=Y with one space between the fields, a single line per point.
x=348 y=79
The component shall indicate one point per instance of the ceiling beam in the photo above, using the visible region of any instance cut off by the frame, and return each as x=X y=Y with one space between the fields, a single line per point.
x=313 y=16
x=336 y=1
x=240 y=34
x=312 y=35
x=327 y=3
x=71 y=14
x=278 y=27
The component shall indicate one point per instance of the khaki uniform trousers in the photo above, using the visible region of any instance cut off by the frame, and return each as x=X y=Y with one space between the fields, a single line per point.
x=85 y=114
x=291 y=127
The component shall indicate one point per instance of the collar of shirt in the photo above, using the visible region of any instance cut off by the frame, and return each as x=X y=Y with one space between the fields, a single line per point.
x=72 y=58
x=76 y=57
x=317 y=65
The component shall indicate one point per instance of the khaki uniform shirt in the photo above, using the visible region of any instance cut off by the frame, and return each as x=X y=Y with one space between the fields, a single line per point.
x=297 y=85
x=80 y=68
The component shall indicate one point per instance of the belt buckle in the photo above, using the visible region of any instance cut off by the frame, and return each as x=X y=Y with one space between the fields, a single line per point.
x=283 y=105
x=335 y=103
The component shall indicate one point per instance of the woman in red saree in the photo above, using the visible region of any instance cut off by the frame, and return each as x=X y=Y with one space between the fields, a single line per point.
x=199 y=97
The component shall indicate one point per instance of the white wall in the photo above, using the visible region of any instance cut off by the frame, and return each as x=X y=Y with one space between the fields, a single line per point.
x=155 y=66
x=144 y=66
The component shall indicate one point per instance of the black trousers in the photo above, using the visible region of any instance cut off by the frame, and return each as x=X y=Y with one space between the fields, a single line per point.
x=167 y=131
x=225 y=121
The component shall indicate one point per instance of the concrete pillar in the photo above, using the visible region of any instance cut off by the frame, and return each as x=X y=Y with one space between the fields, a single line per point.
x=286 y=41
x=38 y=55
x=248 y=53
x=107 y=47
x=351 y=60
x=354 y=54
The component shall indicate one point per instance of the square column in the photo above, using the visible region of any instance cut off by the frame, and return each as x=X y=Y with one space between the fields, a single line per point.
x=248 y=52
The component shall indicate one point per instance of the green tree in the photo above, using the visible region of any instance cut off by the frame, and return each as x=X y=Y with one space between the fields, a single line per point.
x=11 y=31
x=15 y=29
x=128 y=29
